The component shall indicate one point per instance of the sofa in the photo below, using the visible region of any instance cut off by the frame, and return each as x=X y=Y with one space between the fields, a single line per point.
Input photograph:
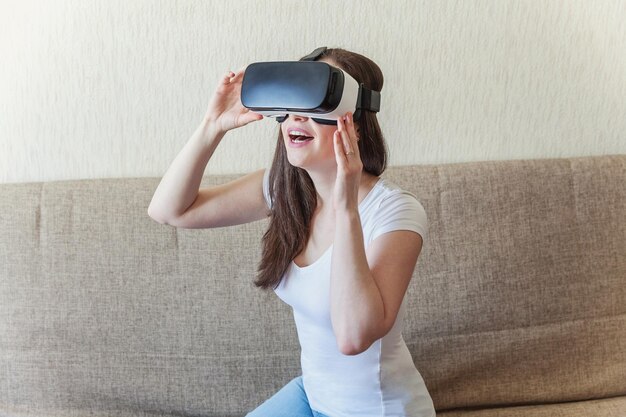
x=517 y=305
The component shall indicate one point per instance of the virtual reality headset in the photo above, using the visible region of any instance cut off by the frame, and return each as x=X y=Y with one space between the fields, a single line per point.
x=307 y=88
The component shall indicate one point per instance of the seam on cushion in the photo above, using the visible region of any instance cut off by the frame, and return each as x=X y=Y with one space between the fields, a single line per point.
x=62 y=354
x=550 y=324
x=529 y=404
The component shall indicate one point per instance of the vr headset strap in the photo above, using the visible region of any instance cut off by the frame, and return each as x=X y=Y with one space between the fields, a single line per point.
x=315 y=54
x=368 y=99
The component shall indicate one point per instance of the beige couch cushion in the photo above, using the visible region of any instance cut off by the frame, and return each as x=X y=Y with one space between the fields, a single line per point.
x=518 y=296
x=607 y=407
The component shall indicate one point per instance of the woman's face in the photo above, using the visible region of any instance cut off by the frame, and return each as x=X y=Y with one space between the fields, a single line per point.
x=316 y=150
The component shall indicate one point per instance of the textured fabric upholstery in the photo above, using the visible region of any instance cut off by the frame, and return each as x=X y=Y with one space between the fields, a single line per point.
x=606 y=407
x=517 y=306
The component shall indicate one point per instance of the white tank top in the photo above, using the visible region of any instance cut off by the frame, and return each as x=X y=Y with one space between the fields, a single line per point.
x=383 y=380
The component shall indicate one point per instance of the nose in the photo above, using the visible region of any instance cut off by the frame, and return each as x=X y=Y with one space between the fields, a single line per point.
x=299 y=117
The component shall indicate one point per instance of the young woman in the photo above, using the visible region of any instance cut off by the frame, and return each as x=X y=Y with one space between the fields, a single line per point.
x=341 y=247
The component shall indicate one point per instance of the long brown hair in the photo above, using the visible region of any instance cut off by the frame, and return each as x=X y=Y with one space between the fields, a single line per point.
x=292 y=191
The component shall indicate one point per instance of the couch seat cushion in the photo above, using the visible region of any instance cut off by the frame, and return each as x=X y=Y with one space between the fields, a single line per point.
x=606 y=407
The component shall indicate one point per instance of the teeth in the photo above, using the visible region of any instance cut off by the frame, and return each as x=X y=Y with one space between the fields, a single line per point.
x=297 y=133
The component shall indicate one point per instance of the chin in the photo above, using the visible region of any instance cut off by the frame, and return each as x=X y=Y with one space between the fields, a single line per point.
x=297 y=164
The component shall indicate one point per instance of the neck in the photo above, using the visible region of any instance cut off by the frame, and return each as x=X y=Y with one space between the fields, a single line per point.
x=325 y=184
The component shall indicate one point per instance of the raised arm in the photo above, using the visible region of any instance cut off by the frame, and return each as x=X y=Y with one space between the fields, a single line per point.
x=179 y=202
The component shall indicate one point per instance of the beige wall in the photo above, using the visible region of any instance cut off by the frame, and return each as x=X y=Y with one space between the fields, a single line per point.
x=115 y=88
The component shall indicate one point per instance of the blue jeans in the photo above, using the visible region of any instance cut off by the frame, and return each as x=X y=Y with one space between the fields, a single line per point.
x=290 y=401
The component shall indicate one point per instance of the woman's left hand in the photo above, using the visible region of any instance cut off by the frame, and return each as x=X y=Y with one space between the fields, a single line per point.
x=349 y=165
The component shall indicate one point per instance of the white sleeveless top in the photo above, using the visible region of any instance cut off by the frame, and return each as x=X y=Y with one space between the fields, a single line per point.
x=383 y=380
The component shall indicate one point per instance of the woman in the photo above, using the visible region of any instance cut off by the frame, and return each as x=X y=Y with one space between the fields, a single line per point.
x=340 y=248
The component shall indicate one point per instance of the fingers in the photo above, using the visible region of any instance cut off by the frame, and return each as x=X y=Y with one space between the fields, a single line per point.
x=351 y=128
x=250 y=116
x=340 y=153
x=345 y=138
x=346 y=146
x=239 y=74
x=227 y=77
x=348 y=135
x=231 y=77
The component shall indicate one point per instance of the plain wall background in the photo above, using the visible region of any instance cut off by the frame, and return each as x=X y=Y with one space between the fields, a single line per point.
x=115 y=88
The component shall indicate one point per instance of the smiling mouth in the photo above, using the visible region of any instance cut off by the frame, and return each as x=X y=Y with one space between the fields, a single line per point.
x=300 y=138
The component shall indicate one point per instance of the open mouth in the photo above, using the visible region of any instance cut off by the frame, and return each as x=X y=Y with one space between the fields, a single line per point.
x=300 y=138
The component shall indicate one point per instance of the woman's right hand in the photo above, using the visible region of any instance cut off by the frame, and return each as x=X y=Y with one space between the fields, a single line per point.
x=225 y=111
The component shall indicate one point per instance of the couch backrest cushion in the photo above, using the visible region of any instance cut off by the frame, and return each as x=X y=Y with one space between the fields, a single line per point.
x=518 y=295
